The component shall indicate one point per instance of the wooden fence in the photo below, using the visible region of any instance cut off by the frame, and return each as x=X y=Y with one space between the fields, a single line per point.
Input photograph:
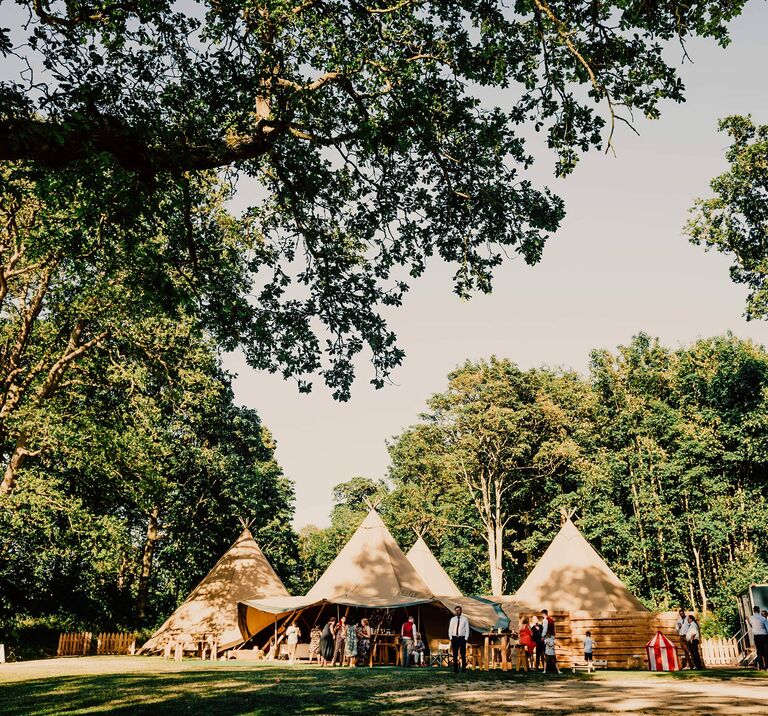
x=716 y=651
x=79 y=643
x=117 y=643
x=617 y=635
x=74 y=644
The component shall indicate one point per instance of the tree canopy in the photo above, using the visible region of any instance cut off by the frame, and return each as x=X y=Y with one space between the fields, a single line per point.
x=365 y=128
x=662 y=453
x=735 y=220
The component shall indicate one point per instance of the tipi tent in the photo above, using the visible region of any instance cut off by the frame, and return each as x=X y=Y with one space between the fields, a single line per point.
x=430 y=570
x=370 y=572
x=211 y=607
x=572 y=576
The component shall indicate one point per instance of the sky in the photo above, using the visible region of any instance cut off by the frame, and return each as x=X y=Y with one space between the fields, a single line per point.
x=619 y=265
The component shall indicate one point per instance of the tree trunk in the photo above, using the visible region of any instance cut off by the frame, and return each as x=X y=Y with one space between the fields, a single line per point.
x=15 y=462
x=494 y=559
x=700 y=579
x=146 y=563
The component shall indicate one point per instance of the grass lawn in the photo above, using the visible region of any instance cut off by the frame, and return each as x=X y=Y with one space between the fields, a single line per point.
x=146 y=685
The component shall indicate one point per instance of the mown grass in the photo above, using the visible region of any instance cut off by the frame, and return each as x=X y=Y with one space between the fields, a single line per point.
x=149 y=686
x=194 y=687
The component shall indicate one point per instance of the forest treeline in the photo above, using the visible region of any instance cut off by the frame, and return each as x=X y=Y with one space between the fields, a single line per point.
x=662 y=454
x=126 y=462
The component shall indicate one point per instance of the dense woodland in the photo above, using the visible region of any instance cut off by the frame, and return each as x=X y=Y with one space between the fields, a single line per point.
x=662 y=453
x=368 y=150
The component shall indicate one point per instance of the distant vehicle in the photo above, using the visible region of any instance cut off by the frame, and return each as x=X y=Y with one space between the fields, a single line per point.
x=755 y=596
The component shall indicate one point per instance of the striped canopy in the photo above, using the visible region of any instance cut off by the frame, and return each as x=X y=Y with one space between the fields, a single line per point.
x=662 y=654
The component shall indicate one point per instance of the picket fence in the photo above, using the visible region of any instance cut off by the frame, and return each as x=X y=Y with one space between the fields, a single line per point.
x=117 y=643
x=74 y=644
x=79 y=643
x=717 y=651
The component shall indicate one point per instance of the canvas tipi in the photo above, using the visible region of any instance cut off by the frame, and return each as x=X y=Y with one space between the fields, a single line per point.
x=572 y=576
x=430 y=570
x=211 y=607
x=370 y=572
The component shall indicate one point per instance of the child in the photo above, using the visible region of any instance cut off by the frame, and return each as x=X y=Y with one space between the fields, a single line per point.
x=549 y=652
x=589 y=646
x=292 y=633
x=418 y=650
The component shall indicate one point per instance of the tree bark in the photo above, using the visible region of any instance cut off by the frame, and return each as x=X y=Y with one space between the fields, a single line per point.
x=494 y=559
x=19 y=454
x=146 y=562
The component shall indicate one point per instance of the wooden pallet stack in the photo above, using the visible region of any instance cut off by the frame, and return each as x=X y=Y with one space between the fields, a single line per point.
x=617 y=635
x=116 y=643
x=74 y=644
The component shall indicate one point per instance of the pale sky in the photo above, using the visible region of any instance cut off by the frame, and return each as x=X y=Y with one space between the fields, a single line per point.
x=618 y=265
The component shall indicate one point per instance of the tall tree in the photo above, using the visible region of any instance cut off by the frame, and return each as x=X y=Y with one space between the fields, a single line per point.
x=362 y=125
x=78 y=276
x=735 y=220
x=497 y=432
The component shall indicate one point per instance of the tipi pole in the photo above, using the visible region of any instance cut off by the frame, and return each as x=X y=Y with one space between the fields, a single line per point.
x=318 y=615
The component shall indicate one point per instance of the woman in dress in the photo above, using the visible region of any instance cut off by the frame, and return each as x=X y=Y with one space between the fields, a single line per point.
x=341 y=640
x=363 y=641
x=326 y=642
x=538 y=642
x=314 y=643
x=350 y=649
x=526 y=640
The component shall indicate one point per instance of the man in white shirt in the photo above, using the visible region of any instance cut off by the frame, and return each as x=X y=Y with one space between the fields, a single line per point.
x=759 y=625
x=682 y=627
x=458 y=631
x=693 y=637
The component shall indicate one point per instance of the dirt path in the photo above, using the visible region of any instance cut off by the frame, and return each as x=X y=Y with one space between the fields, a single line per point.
x=602 y=694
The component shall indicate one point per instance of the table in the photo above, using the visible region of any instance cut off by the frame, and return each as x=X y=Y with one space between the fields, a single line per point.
x=383 y=643
x=496 y=639
x=521 y=656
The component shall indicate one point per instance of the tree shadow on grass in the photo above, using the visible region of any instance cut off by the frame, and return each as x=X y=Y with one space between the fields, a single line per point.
x=227 y=691
x=238 y=691
x=717 y=675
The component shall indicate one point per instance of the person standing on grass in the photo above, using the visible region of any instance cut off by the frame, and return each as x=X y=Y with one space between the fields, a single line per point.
x=550 y=665
x=292 y=634
x=314 y=643
x=363 y=641
x=350 y=647
x=538 y=642
x=526 y=640
x=589 y=646
x=327 y=640
x=693 y=636
x=458 y=632
x=340 y=642
x=681 y=626
x=407 y=633
x=759 y=626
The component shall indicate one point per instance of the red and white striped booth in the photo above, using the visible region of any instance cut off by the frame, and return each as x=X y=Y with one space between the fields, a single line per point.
x=662 y=654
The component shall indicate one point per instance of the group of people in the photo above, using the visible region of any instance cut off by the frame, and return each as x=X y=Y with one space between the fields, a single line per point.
x=537 y=638
x=413 y=645
x=340 y=642
x=689 y=636
x=343 y=643
x=538 y=641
